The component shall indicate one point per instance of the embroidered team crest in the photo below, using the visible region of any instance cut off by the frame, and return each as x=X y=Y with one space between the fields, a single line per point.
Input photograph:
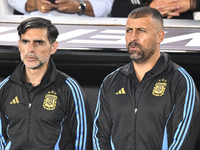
x=50 y=100
x=159 y=88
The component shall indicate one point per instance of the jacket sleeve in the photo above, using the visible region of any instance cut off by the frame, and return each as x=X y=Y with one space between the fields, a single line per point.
x=3 y=119
x=102 y=123
x=77 y=116
x=3 y=135
x=185 y=117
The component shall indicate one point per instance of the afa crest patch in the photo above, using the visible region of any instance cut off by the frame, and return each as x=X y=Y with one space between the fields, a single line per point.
x=159 y=88
x=50 y=100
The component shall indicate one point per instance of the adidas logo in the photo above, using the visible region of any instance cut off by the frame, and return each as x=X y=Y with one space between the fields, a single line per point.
x=15 y=101
x=122 y=91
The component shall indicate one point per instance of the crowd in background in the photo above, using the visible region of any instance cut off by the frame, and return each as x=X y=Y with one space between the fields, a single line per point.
x=178 y=9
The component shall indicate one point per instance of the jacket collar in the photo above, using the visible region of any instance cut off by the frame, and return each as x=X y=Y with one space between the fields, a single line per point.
x=160 y=65
x=18 y=75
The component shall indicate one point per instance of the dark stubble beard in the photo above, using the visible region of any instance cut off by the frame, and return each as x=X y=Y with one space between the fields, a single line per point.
x=144 y=53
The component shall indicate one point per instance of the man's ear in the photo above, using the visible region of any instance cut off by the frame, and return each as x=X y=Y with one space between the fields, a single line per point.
x=54 y=47
x=160 y=37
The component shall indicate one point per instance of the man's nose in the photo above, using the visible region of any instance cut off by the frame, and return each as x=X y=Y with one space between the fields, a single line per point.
x=133 y=36
x=31 y=47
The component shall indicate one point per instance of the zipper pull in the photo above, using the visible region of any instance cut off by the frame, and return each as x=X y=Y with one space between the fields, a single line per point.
x=135 y=111
x=29 y=105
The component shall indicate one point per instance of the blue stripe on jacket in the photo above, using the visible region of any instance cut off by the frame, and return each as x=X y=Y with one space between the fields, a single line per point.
x=61 y=129
x=165 y=137
x=2 y=140
x=95 y=128
x=80 y=115
x=183 y=126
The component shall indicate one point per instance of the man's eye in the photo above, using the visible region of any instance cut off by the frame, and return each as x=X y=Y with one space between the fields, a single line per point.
x=128 y=30
x=141 y=30
x=39 y=42
x=24 y=41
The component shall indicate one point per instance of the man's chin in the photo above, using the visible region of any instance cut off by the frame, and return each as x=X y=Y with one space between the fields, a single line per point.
x=33 y=66
x=133 y=56
x=136 y=59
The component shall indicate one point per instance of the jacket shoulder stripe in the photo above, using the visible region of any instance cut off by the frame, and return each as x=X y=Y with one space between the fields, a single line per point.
x=4 y=81
x=183 y=126
x=80 y=114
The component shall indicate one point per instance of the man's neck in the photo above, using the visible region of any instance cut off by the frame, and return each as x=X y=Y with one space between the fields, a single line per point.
x=34 y=76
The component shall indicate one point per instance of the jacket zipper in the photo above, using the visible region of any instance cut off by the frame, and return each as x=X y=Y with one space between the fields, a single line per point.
x=29 y=119
x=29 y=124
x=135 y=117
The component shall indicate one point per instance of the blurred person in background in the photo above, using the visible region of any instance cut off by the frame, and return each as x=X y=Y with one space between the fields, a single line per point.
x=72 y=8
x=5 y=8
x=177 y=9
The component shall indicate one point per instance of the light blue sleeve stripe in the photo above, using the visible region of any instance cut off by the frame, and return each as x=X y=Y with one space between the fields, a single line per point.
x=183 y=126
x=97 y=111
x=165 y=138
x=8 y=146
x=80 y=114
x=82 y=104
x=95 y=128
x=1 y=135
x=2 y=140
x=112 y=145
x=4 y=81
x=57 y=144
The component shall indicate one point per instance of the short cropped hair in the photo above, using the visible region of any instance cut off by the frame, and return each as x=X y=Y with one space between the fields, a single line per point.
x=145 y=12
x=38 y=22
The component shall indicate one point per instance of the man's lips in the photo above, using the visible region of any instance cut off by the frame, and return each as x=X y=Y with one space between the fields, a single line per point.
x=31 y=58
x=133 y=47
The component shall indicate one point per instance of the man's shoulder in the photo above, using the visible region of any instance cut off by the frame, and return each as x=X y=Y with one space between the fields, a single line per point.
x=4 y=81
x=64 y=78
x=118 y=74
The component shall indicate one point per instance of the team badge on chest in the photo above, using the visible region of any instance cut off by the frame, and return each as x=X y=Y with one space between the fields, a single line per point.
x=50 y=100
x=159 y=88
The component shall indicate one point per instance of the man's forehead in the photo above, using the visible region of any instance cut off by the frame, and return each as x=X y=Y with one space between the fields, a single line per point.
x=138 y=21
x=36 y=30
x=40 y=32
x=142 y=19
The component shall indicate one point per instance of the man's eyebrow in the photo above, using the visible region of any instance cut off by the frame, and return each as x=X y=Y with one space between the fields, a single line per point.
x=129 y=28
x=141 y=28
x=38 y=40
x=24 y=40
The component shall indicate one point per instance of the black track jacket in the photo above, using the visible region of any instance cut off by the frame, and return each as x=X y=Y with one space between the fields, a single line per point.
x=165 y=118
x=54 y=119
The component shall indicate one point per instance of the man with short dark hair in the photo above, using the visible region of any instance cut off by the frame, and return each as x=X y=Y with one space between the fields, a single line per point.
x=41 y=107
x=150 y=103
